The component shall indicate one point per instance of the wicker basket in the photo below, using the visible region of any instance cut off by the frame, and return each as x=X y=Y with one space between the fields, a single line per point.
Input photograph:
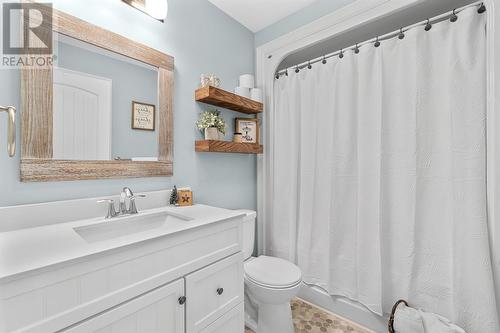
x=390 y=325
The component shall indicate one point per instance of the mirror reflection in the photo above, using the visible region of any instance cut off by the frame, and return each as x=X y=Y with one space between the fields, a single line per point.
x=105 y=105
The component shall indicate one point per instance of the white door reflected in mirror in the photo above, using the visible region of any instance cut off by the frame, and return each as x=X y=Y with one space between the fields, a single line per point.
x=82 y=116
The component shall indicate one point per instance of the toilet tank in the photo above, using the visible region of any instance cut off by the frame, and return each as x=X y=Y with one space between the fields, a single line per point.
x=248 y=232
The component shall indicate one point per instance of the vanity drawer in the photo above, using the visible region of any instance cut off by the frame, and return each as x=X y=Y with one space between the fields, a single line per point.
x=231 y=322
x=213 y=291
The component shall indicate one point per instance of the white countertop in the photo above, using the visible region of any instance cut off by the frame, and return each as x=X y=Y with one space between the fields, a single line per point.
x=27 y=250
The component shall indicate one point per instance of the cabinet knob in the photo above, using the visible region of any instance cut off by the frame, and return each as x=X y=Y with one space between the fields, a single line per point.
x=220 y=291
x=182 y=300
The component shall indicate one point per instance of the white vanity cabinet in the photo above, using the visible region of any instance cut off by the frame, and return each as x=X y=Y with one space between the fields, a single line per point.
x=213 y=303
x=186 y=281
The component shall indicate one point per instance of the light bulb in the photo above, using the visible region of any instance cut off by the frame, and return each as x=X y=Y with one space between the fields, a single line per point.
x=157 y=8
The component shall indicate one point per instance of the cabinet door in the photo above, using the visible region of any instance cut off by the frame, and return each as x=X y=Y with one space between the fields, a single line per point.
x=213 y=291
x=231 y=322
x=158 y=311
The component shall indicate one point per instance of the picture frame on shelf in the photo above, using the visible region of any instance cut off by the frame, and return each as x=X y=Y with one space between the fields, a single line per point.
x=249 y=128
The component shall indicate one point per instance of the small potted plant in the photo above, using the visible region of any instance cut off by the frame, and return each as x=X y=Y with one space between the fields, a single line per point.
x=212 y=125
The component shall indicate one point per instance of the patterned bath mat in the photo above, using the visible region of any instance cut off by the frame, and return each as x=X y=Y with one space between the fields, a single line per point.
x=308 y=318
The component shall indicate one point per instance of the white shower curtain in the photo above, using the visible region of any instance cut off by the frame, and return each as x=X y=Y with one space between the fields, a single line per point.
x=378 y=175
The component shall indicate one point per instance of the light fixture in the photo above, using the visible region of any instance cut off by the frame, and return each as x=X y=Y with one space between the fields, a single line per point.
x=157 y=9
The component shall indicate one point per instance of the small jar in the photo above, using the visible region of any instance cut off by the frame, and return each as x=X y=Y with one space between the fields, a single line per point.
x=214 y=81
x=238 y=137
x=204 y=80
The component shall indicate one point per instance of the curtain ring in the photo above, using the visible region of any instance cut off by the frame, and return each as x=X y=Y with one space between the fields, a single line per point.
x=401 y=34
x=341 y=55
x=428 y=26
x=481 y=9
x=309 y=66
x=356 y=50
x=297 y=69
x=377 y=42
x=324 y=60
x=454 y=17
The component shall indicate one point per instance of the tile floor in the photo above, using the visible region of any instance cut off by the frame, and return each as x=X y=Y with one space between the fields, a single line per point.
x=310 y=319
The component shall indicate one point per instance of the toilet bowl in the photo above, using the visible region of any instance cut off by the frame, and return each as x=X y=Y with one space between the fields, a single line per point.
x=270 y=284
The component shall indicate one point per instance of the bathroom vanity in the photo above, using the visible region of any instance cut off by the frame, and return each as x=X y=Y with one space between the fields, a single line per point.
x=167 y=269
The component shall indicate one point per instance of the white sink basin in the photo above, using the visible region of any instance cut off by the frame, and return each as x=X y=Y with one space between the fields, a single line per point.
x=128 y=225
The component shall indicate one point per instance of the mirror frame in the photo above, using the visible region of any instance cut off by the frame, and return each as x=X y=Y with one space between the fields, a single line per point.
x=37 y=164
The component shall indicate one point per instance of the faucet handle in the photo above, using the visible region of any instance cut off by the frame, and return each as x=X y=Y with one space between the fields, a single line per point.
x=133 y=207
x=111 y=208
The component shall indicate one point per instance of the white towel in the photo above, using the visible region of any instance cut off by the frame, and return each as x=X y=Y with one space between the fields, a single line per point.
x=409 y=320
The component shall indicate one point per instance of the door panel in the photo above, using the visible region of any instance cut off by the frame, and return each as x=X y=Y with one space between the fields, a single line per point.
x=213 y=291
x=158 y=311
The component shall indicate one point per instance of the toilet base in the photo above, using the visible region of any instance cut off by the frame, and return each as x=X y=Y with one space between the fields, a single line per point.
x=275 y=318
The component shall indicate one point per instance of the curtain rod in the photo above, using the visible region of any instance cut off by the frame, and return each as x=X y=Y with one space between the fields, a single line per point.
x=452 y=15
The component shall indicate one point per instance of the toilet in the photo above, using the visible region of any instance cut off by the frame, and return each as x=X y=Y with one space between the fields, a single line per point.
x=270 y=284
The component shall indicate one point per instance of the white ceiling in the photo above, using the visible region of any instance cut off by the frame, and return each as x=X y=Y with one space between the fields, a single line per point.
x=258 y=14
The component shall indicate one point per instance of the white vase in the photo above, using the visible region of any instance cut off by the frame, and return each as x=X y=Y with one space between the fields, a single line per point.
x=211 y=133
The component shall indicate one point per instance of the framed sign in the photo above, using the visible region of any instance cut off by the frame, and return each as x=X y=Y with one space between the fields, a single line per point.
x=249 y=129
x=185 y=198
x=143 y=116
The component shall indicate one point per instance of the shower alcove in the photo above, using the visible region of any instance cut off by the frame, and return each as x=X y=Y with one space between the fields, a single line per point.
x=357 y=23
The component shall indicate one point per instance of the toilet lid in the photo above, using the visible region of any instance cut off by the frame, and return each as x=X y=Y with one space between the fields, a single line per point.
x=273 y=272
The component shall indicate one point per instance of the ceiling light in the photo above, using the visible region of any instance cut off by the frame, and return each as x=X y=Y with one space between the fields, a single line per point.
x=157 y=9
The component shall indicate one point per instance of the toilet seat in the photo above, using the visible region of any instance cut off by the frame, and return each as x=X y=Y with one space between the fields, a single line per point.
x=274 y=273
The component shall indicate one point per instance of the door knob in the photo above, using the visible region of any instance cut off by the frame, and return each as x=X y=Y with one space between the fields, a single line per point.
x=182 y=300
x=220 y=291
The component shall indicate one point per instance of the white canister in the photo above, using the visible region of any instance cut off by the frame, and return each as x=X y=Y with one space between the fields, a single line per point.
x=247 y=81
x=242 y=91
x=256 y=94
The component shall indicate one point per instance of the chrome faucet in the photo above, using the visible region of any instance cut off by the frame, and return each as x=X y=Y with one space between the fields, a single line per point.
x=126 y=194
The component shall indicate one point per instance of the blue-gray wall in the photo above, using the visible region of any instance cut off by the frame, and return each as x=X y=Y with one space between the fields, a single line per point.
x=306 y=15
x=203 y=40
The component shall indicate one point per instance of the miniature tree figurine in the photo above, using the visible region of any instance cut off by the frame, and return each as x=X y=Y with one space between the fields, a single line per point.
x=174 y=196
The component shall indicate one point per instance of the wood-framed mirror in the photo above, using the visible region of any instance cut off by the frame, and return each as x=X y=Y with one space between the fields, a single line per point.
x=98 y=82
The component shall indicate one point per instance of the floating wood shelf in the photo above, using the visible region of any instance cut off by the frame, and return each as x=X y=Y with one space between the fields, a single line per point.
x=214 y=146
x=224 y=99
